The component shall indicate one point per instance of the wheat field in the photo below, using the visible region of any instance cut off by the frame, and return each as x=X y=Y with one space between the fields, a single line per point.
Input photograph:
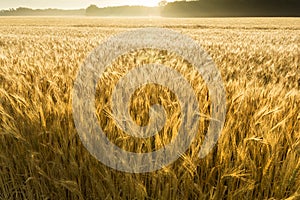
x=256 y=157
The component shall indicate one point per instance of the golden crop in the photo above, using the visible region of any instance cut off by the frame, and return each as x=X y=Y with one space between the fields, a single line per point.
x=257 y=156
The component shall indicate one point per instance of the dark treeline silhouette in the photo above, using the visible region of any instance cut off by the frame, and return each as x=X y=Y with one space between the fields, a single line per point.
x=227 y=8
x=40 y=12
x=123 y=11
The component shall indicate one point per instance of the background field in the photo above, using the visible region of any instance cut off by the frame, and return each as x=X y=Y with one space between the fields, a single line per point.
x=257 y=156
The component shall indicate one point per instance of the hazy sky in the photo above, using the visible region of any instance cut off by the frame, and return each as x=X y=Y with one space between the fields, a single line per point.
x=70 y=4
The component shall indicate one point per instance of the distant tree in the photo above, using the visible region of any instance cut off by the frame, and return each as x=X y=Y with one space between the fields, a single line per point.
x=163 y=3
x=92 y=9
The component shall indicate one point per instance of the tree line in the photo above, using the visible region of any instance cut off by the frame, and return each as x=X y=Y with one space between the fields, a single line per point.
x=224 y=8
x=21 y=11
x=93 y=10
x=199 y=8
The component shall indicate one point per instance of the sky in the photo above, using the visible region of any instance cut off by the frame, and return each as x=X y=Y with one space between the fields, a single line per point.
x=72 y=4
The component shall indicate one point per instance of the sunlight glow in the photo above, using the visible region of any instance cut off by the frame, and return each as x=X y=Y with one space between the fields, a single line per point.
x=74 y=4
x=150 y=3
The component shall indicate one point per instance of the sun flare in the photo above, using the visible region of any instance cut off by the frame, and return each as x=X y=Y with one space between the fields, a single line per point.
x=150 y=3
